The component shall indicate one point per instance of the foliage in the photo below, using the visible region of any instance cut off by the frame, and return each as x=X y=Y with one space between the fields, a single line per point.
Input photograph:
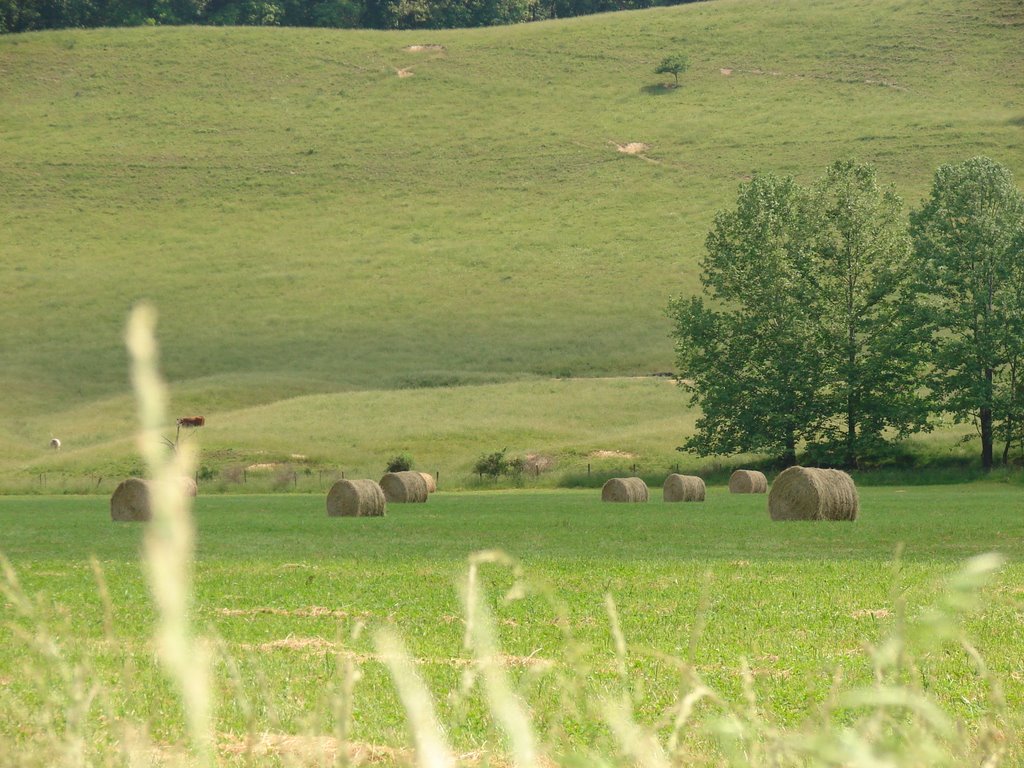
x=673 y=65
x=400 y=463
x=27 y=15
x=969 y=241
x=810 y=330
x=865 y=313
x=497 y=464
x=748 y=354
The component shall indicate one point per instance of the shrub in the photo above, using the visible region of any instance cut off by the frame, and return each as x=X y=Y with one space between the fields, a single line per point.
x=497 y=464
x=400 y=463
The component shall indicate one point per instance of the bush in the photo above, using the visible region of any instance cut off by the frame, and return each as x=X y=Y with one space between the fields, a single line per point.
x=496 y=464
x=400 y=463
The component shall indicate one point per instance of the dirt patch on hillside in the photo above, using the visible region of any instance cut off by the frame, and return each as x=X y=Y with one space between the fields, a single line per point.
x=612 y=455
x=632 y=148
x=428 y=47
x=726 y=71
x=404 y=72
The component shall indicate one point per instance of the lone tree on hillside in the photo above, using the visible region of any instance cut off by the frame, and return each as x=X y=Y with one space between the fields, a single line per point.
x=969 y=240
x=673 y=65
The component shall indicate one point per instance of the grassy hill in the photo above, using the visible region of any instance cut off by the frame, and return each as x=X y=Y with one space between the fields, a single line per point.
x=319 y=214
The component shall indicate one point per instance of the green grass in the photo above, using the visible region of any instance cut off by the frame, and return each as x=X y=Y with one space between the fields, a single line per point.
x=797 y=601
x=309 y=224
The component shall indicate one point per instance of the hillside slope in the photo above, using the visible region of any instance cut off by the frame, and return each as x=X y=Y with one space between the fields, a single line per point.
x=322 y=211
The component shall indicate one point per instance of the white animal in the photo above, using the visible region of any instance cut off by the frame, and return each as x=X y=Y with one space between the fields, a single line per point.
x=55 y=443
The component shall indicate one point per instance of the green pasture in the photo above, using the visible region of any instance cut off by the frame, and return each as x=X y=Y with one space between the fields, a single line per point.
x=290 y=594
x=311 y=224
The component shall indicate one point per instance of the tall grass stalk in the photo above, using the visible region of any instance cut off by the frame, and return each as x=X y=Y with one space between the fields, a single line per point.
x=170 y=538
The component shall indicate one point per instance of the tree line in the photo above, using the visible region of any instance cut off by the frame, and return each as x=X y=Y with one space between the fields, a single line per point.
x=27 y=15
x=832 y=322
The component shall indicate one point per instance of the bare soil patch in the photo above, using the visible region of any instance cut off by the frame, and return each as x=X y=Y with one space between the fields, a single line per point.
x=320 y=644
x=312 y=612
x=404 y=72
x=427 y=47
x=612 y=455
x=632 y=148
x=877 y=613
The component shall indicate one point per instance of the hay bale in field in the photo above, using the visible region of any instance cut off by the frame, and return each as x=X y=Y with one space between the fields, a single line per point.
x=130 y=502
x=628 y=489
x=748 y=481
x=683 y=488
x=404 y=487
x=806 y=493
x=356 y=498
x=430 y=481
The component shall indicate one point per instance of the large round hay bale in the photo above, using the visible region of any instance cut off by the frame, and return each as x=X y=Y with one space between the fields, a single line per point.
x=628 y=489
x=130 y=501
x=805 y=493
x=748 y=481
x=683 y=488
x=356 y=498
x=404 y=487
x=430 y=481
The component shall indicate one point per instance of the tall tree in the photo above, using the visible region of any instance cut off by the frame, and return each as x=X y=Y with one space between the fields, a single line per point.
x=869 y=337
x=967 y=239
x=747 y=354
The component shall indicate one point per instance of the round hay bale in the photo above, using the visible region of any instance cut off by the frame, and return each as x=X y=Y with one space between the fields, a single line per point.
x=626 y=489
x=805 y=493
x=404 y=487
x=748 y=481
x=683 y=488
x=130 y=502
x=356 y=498
x=431 y=482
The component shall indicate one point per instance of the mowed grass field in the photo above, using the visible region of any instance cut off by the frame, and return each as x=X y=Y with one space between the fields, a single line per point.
x=292 y=595
x=310 y=223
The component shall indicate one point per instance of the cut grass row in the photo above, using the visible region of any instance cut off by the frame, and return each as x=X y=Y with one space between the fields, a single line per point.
x=285 y=587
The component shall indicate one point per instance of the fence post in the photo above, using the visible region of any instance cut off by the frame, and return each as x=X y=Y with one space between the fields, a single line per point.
x=588 y=469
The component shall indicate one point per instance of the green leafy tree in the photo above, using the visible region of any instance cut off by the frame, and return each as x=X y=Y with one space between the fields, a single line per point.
x=968 y=239
x=673 y=65
x=863 y=300
x=747 y=353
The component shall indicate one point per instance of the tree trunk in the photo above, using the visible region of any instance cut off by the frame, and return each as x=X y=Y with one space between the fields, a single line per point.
x=985 y=417
x=788 y=457
x=1009 y=439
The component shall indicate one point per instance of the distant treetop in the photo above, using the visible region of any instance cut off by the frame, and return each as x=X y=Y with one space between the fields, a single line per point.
x=28 y=15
